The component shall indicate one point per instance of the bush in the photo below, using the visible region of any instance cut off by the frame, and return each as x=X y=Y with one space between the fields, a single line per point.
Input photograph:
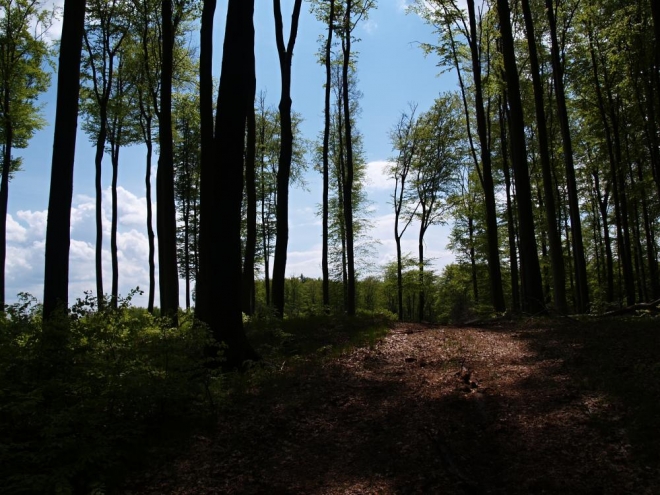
x=82 y=398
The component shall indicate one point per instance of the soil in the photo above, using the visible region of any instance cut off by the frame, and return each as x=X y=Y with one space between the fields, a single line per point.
x=439 y=410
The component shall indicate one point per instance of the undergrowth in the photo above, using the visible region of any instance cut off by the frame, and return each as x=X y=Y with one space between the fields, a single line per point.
x=316 y=334
x=85 y=399
x=294 y=344
x=99 y=392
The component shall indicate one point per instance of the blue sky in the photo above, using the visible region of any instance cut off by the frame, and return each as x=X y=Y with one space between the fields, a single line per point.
x=392 y=72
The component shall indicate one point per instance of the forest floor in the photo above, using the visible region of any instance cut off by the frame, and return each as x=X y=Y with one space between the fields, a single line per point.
x=559 y=406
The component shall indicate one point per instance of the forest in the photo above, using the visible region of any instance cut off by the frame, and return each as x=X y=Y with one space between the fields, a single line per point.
x=527 y=365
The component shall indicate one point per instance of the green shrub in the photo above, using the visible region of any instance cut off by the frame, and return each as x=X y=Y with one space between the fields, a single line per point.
x=82 y=399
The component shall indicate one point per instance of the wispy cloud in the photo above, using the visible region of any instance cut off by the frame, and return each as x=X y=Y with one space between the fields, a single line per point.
x=377 y=177
x=370 y=26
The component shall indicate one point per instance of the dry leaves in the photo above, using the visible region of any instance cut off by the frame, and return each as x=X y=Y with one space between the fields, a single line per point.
x=427 y=410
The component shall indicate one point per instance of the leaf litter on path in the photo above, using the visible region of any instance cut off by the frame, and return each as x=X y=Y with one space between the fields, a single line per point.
x=428 y=410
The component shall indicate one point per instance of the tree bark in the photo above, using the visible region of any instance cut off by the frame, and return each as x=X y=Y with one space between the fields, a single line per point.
x=145 y=123
x=610 y=126
x=166 y=213
x=98 y=188
x=285 y=54
x=251 y=197
x=554 y=239
x=220 y=277
x=511 y=221
x=56 y=277
x=206 y=84
x=207 y=165
x=655 y=13
x=349 y=175
x=113 y=224
x=529 y=260
x=580 y=265
x=494 y=267
x=422 y=293
x=326 y=166
x=4 y=199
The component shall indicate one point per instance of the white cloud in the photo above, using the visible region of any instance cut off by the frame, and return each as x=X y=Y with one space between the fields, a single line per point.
x=16 y=262
x=133 y=245
x=36 y=221
x=83 y=209
x=82 y=252
x=15 y=231
x=132 y=211
x=26 y=247
x=377 y=175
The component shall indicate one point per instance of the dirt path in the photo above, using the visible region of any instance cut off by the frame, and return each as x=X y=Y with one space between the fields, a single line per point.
x=428 y=411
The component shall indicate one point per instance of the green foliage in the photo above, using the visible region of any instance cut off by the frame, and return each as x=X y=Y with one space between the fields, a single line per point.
x=315 y=336
x=23 y=54
x=82 y=400
x=455 y=303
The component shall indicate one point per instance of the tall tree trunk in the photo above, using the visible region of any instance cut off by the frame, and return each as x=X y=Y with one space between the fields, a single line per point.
x=655 y=12
x=399 y=278
x=580 y=264
x=147 y=135
x=150 y=229
x=529 y=260
x=166 y=212
x=56 y=277
x=206 y=96
x=554 y=239
x=350 y=166
x=249 y=291
x=206 y=84
x=186 y=243
x=98 y=187
x=4 y=198
x=220 y=278
x=265 y=236
x=473 y=260
x=609 y=257
x=286 y=152
x=251 y=195
x=486 y=176
x=620 y=195
x=341 y=177
x=511 y=222
x=648 y=235
x=114 y=150
x=420 y=251
x=407 y=126
x=326 y=166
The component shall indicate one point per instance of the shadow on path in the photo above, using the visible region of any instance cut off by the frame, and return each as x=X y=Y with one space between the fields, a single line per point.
x=444 y=411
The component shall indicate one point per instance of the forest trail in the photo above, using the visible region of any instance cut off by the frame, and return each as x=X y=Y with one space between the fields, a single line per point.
x=437 y=410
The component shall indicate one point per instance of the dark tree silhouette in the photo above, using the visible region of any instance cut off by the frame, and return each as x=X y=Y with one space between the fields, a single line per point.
x=581 y=281
x=166 y=213
x=56 y=277
x=286 y=152
x=486 y=175
x=554 y=239
x=326 y=150
x=220 y=277
x=529 y=259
